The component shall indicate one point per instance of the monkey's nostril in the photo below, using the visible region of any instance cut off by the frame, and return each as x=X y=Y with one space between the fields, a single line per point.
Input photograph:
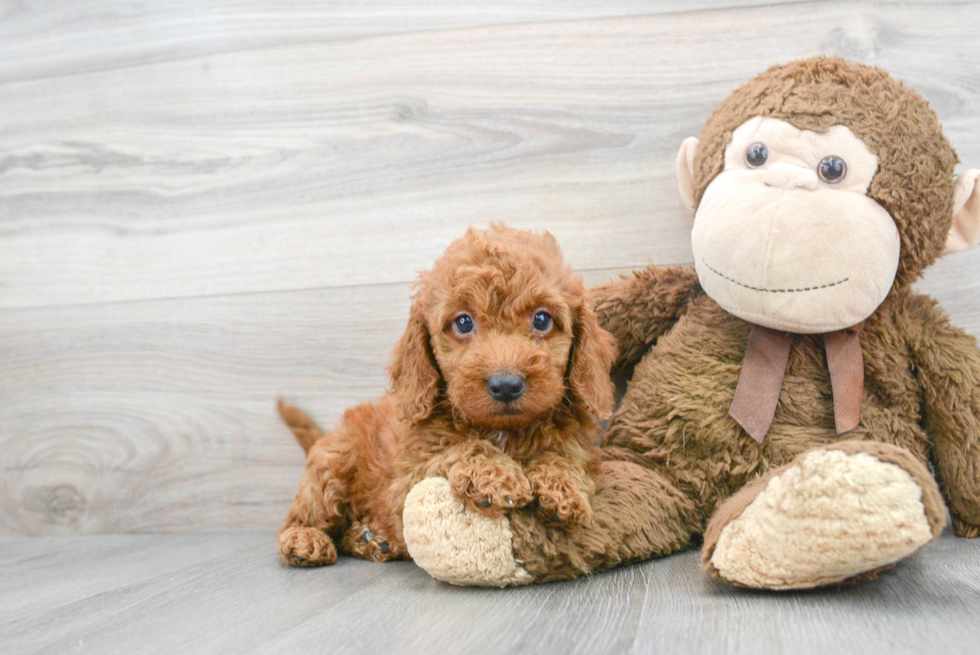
x=505 y=387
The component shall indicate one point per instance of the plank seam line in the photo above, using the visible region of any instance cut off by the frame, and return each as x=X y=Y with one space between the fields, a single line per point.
x=7 y=308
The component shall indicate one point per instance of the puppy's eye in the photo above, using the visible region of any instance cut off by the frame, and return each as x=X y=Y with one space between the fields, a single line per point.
x=832 y=169
x=542 y=322
x=463 y=324
x=757 y=155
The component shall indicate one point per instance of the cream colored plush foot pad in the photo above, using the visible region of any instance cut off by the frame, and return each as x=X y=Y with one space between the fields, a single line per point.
x=455 y=545
x=825 y=519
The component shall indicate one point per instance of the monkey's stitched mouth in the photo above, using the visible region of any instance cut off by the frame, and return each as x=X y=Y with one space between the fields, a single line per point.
x=747 y=286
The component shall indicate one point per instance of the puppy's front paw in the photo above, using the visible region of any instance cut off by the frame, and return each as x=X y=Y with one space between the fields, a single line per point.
x=490 y=485
x=303 y=546
x=559 y=500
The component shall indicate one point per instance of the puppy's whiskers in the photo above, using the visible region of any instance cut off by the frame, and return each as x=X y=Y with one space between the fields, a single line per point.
x=500 y=440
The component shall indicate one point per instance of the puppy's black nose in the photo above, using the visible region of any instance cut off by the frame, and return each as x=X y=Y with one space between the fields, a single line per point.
x=505 y=387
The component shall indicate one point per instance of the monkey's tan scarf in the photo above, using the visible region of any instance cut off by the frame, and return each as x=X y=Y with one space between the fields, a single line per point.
x=764 y=366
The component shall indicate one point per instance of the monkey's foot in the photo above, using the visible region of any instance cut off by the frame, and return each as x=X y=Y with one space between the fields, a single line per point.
x=966 y=530
x=837 y=513
x=458 y=546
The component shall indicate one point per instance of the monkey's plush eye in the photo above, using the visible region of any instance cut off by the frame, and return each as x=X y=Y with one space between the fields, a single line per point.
x=831 y=169
x=463 y=324
x=757 y=155
x=542 y=322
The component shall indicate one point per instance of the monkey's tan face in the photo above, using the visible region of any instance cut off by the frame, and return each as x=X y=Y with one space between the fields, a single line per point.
x=786 y=236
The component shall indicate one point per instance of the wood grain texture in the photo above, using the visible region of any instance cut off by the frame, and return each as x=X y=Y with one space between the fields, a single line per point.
x=207 y=593
x=268 y=168
x=72 y=37
x=204 y=206
x=160 y=415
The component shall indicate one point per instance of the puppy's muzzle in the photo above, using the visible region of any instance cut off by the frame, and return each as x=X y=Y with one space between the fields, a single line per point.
x=505 y=387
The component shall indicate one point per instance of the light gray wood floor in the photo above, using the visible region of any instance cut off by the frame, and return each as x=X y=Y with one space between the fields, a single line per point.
x=228 y=593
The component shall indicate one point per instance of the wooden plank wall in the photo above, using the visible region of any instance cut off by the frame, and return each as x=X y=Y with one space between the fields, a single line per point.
x=204 y=206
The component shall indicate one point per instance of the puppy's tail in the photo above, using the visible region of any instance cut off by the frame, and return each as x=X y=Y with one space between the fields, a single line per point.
x=303 y=427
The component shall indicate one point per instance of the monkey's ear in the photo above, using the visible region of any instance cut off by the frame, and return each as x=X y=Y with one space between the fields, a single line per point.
x=414 y=376
x=685 y=171
x=965 y=232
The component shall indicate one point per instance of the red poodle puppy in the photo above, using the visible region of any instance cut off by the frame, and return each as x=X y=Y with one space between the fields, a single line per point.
x=494 y=386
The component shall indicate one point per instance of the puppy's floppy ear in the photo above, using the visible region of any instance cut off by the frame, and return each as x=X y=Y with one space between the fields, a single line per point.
x=593 y=353
x=414 y=375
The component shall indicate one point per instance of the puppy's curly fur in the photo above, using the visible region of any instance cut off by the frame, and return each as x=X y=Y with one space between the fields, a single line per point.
x=500 y=302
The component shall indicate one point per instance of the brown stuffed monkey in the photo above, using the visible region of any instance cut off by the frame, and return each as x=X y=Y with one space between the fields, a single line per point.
x=789 y=393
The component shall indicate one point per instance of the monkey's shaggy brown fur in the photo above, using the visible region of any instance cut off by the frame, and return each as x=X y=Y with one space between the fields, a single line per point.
x=672 y=454
x=440 y=420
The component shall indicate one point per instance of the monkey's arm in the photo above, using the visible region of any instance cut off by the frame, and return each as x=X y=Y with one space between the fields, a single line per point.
x=947 y=363
x=641 y=307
